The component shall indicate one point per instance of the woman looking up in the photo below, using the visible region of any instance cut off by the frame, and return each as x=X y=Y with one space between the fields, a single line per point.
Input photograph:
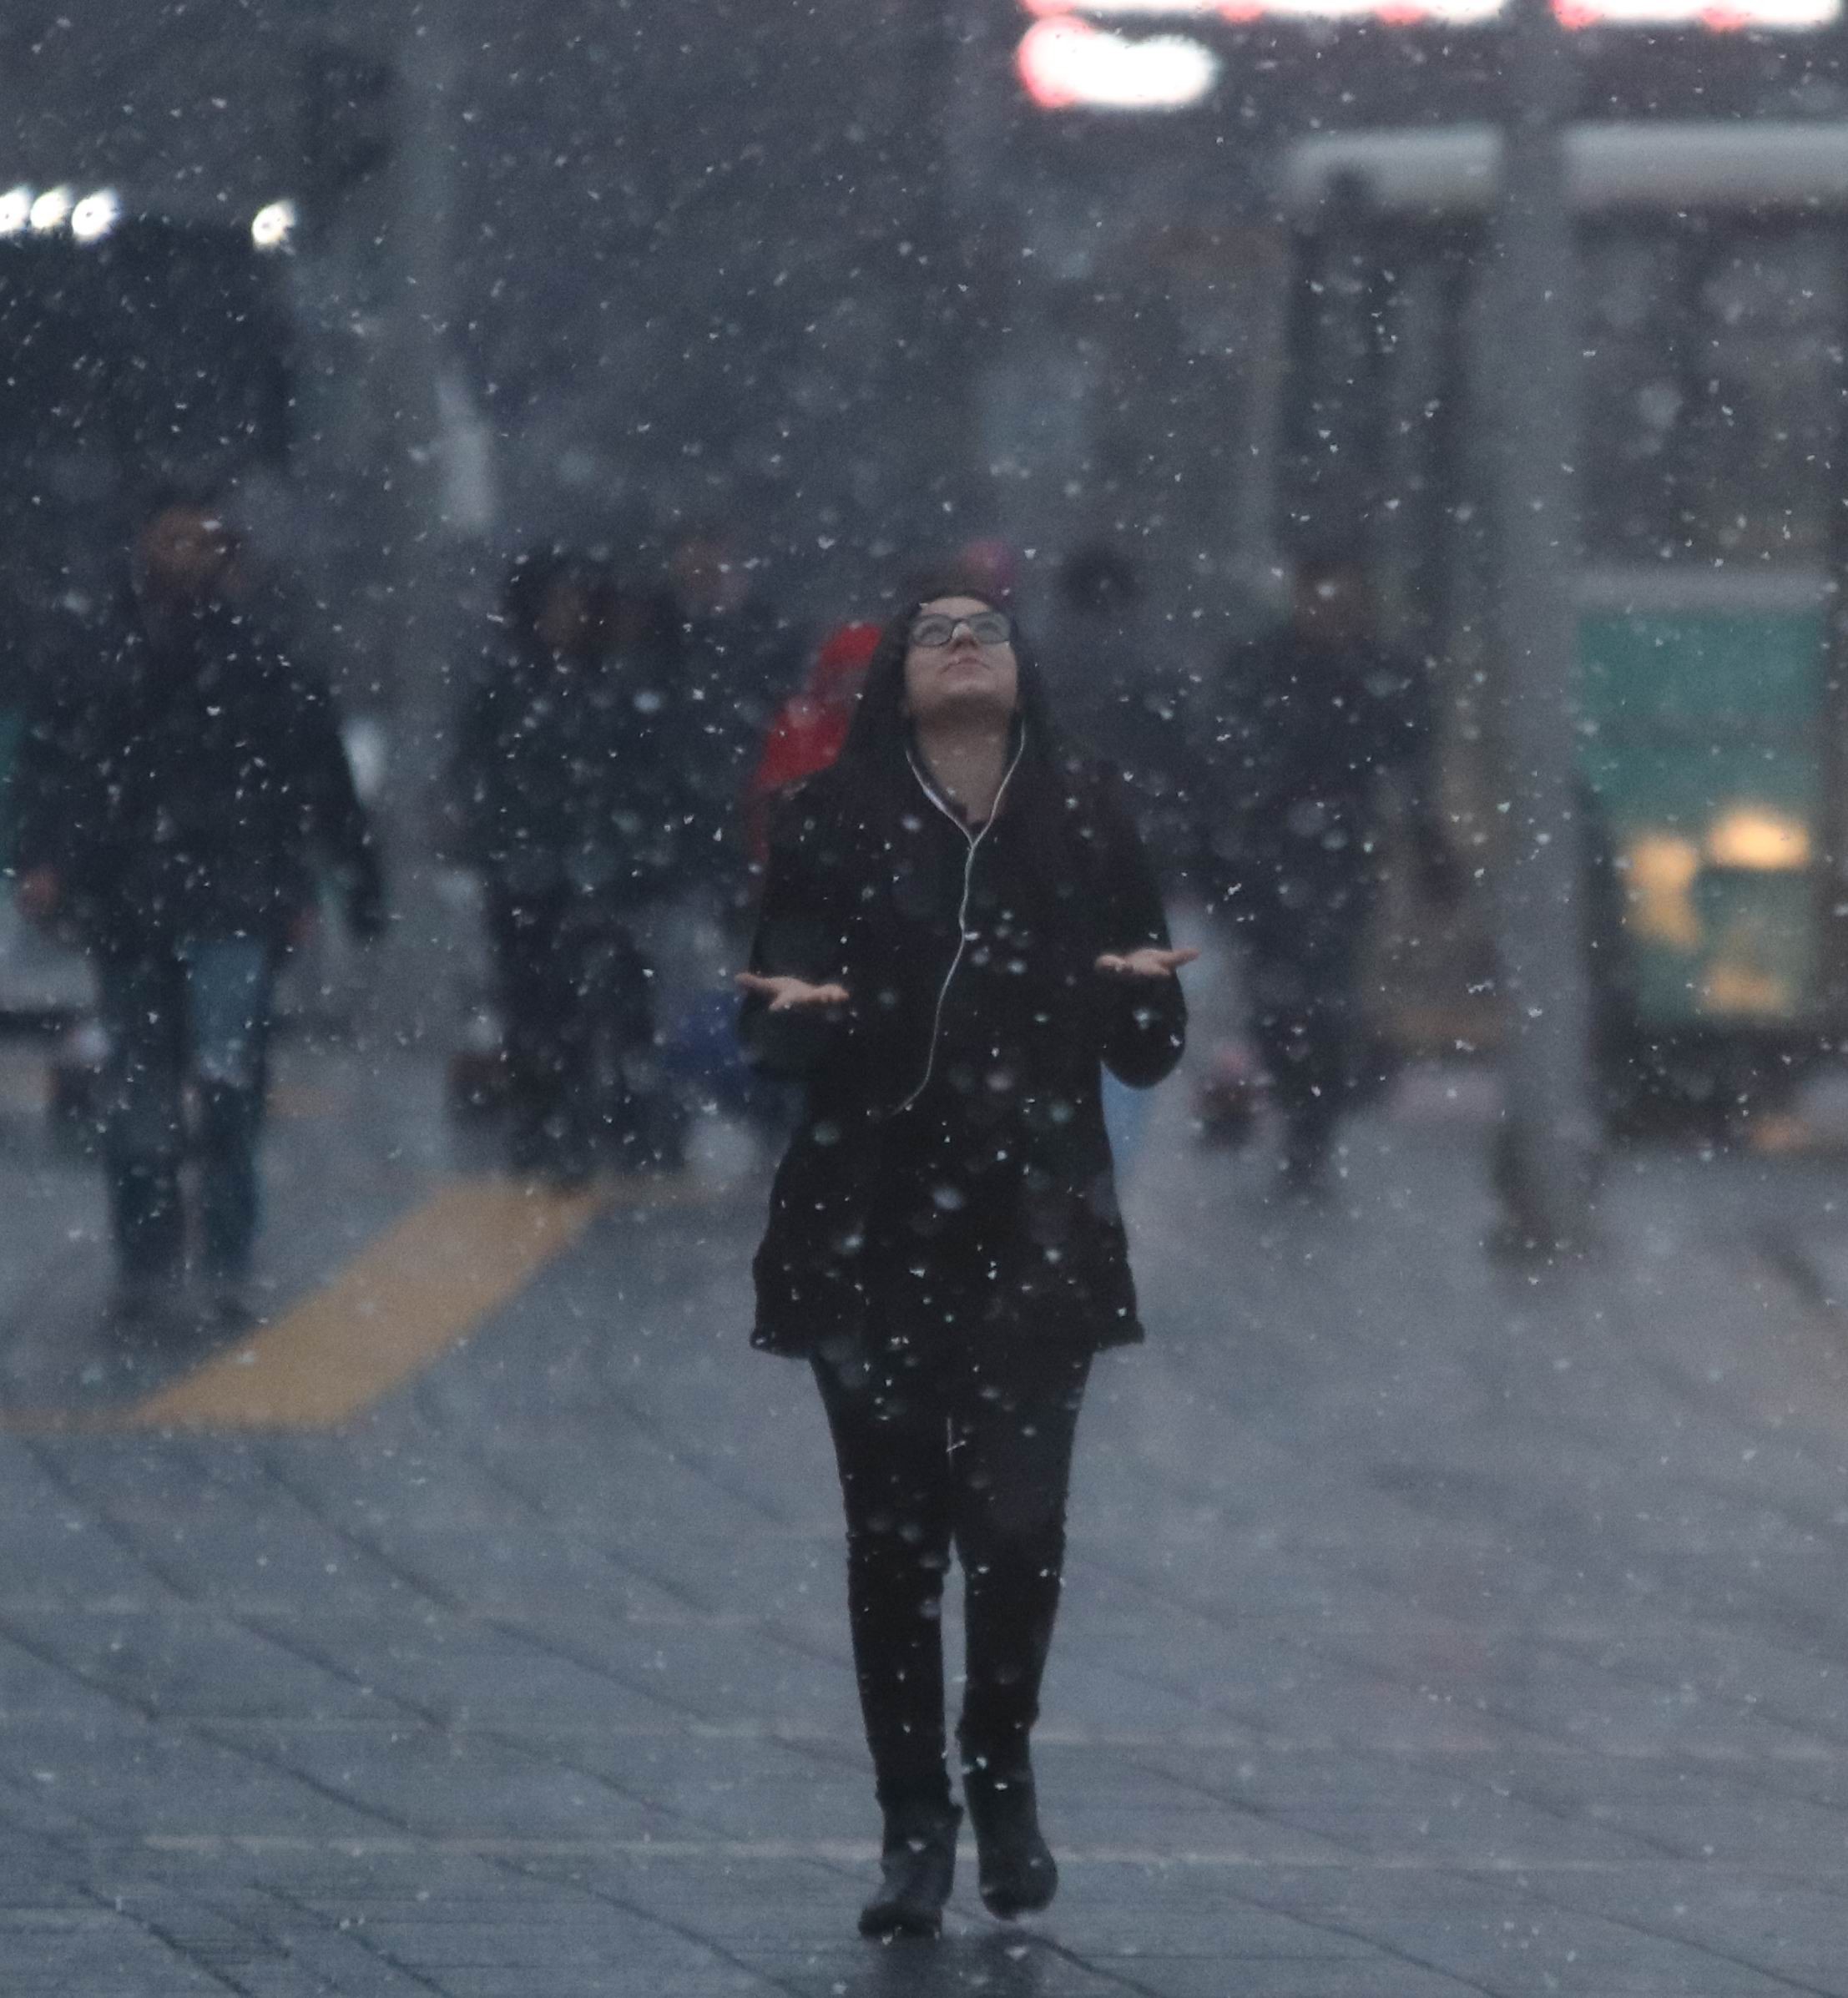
x=959 y=927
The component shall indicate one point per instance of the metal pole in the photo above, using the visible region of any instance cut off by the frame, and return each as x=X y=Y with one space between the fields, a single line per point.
x=1548 y=1144
x=1832 y=874
x=427 y=562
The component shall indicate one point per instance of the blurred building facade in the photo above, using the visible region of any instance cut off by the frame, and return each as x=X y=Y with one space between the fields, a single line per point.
x=828 y=272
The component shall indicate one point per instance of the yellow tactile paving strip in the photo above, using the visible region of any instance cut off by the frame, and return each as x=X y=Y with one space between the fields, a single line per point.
x=403 y=1300
x=422 y=1285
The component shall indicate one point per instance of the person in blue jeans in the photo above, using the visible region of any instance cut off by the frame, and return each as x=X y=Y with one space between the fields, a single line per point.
x=193 y=1009
x=181 y=791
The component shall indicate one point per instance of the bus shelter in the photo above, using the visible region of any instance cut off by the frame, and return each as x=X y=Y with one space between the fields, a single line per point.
x=1714 y=544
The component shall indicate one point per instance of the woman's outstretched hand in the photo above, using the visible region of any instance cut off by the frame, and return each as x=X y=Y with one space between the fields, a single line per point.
x=785 y=994
x=1147 y=962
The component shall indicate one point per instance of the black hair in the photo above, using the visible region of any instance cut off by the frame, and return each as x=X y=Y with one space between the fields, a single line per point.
x=1047 y=794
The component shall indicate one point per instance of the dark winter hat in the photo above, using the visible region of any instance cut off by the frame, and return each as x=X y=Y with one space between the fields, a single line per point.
x=536 y=572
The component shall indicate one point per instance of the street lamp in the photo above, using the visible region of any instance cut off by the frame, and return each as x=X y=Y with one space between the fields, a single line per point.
x=273 y=226
x=95 y=215
x=51 y=211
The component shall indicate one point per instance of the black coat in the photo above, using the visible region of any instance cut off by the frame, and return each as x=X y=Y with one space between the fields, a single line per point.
x=189 y=786
x=866 y=891
x=1302 y=738
x=573 y=775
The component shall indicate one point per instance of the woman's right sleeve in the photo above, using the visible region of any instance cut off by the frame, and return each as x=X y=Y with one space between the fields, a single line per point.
x=799 y=935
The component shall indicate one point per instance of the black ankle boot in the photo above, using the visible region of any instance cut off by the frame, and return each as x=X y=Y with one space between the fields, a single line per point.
x=1014 y=1866
x=917 y=1869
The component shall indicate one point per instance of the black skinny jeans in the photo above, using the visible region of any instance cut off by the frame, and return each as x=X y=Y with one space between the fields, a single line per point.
x=963 y=1439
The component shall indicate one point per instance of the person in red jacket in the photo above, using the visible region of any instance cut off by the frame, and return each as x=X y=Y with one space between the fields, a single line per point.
x=810 y=726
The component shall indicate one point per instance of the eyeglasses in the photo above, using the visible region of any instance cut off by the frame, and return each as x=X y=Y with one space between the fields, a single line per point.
x=986 y=628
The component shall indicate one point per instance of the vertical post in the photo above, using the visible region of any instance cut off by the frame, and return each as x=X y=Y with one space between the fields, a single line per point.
x=988 y=321
x=954 y=102
x=1547 y=1155
x=1335 y=357
x=426 y=567
x=1832 y=740
x=1257 y=526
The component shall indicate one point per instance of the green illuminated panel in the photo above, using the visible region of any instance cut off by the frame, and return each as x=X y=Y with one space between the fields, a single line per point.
x=1702 y=746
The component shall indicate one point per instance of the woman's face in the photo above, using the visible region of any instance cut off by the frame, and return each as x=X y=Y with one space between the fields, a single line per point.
x=971 y=678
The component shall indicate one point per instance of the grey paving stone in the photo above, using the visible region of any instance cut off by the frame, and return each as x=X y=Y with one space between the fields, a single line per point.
x=112 y=1957
x=736 y=1786
x=731 y=1899
x=448 y=1785
x=694 y=1670
x=578 y=1939
x=34 y=1686
x=990 y=1963
x=458 y=1672
x=1792 y=1930
x=191 y=1662
x=164 y=1781
x=1427 y=1630
x=615 y=1981
x=1242 y=1976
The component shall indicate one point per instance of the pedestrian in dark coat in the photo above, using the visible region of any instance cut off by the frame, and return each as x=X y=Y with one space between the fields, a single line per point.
x=959 y=929
x=743 y=657
x=1309 y=728
x=176 y=803
x=573 y=794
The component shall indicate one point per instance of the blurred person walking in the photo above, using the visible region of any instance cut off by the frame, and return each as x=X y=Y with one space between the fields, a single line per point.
x=571 y=790
x=1120 y=695
x=1123 y=690
x=173 y=805
x=743 y=660
x=1308 y=730
x=959 y=929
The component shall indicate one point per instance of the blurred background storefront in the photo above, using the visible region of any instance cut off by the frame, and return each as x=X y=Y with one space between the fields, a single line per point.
x=1189 y=282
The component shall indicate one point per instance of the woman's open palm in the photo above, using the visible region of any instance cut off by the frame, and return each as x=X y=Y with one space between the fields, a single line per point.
x=786 y=995
x=1147 y=962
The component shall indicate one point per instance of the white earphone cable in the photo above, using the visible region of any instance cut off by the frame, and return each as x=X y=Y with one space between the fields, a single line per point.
x=975 y=839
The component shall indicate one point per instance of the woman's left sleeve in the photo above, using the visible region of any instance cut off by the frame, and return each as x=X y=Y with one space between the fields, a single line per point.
x=1143 y=1020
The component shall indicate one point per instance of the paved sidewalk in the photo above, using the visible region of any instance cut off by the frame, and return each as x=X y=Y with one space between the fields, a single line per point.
x=1432 y=1628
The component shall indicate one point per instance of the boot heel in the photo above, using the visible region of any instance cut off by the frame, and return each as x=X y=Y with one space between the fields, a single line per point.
x=1015 y=1870
x=917 y=1869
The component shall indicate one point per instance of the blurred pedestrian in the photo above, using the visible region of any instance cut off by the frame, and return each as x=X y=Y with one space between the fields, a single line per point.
x=1122 y=690
x=174 y=805
x=990 y=566
x=743 y=659
x=571 y=791
x=1119 y=696
x=807 y=731
x=958 y=930
x=1308 y=731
